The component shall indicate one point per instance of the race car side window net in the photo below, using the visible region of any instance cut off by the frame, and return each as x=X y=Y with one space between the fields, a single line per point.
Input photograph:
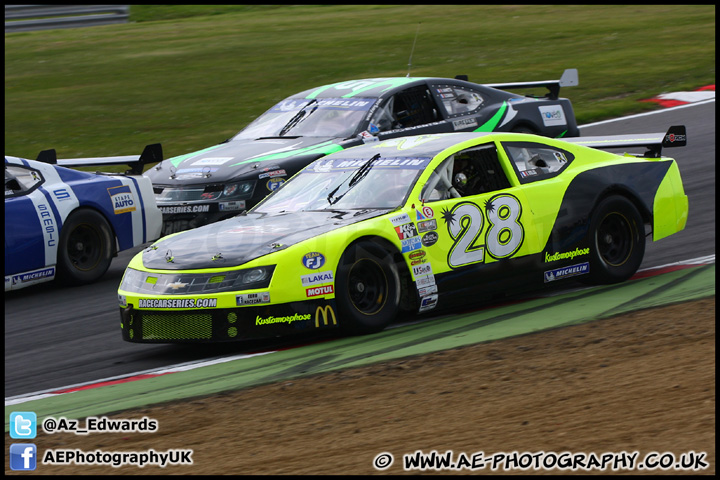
x=414 y=106
x=470 y=172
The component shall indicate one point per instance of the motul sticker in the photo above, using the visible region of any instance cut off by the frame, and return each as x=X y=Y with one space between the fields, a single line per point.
x=317 y=291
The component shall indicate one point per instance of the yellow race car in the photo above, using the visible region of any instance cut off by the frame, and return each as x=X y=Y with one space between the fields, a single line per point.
x=410 y=224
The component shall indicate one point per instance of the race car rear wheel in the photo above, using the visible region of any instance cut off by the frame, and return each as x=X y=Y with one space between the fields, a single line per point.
x=367 y=289
x=617 y=240
x=85 y=249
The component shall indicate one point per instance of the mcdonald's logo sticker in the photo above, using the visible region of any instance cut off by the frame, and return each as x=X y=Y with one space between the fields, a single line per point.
x=324 y=312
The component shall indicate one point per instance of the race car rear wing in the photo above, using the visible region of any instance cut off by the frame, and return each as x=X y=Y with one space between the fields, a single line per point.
x=674 y=137
x=569 y=78
x=151 y=154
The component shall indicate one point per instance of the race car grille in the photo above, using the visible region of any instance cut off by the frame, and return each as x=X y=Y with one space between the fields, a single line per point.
x=173 y=326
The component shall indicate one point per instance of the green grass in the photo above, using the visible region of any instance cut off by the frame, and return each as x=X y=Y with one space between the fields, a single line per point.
x=190 y=76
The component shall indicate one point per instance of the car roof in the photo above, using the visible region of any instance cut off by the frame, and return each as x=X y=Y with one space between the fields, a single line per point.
x=371 y=87
x=423 y=146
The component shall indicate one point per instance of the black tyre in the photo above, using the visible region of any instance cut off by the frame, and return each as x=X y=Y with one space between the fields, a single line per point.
x=85 y=249
x=617 y=240
x=367 y=289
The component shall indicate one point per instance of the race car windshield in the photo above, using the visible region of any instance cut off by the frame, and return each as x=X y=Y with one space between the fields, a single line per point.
x=324 y=117
x=325 y=185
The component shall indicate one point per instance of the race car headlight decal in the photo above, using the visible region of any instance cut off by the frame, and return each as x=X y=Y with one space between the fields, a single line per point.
x=238 y=190
x=255 y=275
x=196 y=283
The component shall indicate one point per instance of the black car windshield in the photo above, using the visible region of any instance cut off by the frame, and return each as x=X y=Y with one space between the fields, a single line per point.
x=300 y=117
x=347 y=184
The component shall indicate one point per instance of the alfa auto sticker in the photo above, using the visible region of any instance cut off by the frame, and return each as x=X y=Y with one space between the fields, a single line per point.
x=422 y=270
x=317 y=278
x=400 y=219
x=429 y=239
x=122 y=199
x=427 y=225
x=565 y=272
x=313 y=260
x=177 y=303
x=252 y=298
x=406 y=230
x=464 y=123
x=425 y=291
x=212 y=161
x=274 y=183
x=410 y=244
x=428 y=303
x=317 y=291
x=566 y=255
x=552 y=115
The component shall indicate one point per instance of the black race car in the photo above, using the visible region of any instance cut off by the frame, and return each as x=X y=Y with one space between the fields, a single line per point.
x=223 y=180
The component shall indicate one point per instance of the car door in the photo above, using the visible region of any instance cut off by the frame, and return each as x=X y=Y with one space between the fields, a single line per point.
x=30 y=226
x=484 y=238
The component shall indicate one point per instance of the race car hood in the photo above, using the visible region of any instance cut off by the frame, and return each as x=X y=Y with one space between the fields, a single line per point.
x=237 y=159
x=243 y=238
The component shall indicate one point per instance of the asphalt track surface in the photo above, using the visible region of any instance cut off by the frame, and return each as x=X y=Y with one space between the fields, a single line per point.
x=57 y=336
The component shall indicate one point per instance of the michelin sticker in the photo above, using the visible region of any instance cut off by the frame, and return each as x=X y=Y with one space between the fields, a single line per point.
x=565 y=272
x=317 y=278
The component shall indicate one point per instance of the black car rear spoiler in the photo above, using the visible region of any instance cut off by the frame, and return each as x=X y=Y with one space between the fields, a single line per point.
x=569 y=78
x=674 y=137
x=152 y=153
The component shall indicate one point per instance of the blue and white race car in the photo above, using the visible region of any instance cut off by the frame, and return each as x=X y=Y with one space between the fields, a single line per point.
x=69 y=224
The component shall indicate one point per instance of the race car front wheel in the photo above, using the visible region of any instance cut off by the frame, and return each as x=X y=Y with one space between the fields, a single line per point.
x=367 y=289
x=85 y=248
x=617 y=240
